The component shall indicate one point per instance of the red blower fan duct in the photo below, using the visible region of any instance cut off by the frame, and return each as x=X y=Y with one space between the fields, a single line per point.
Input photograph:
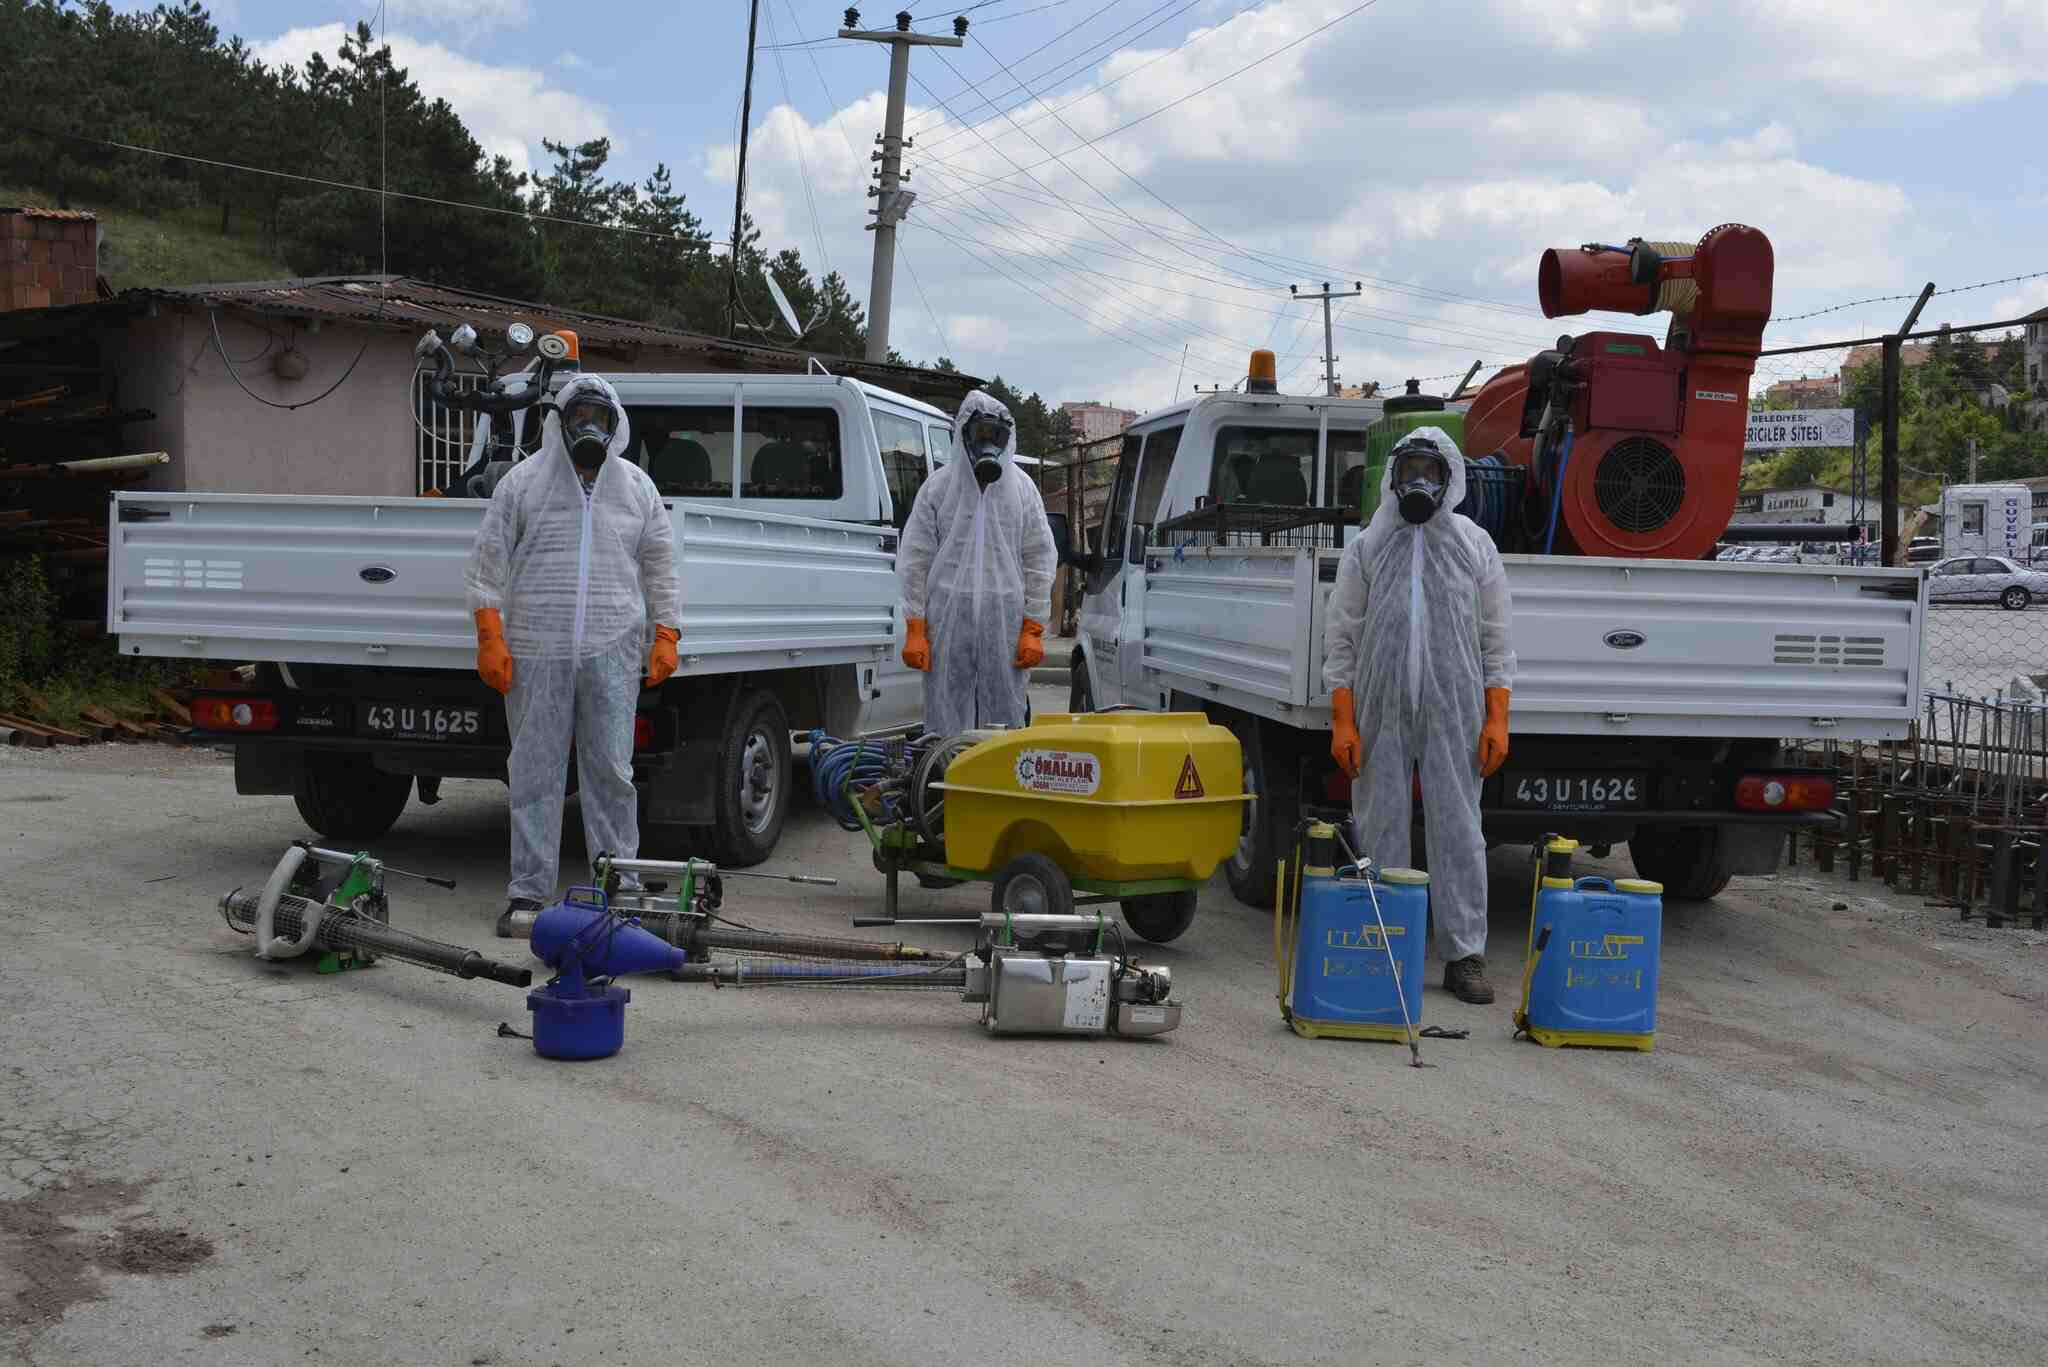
x=1645 y=440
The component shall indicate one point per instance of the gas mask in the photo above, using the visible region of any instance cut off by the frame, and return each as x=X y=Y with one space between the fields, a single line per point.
x=986 y=437
x=1421 y=478
x=588 y=422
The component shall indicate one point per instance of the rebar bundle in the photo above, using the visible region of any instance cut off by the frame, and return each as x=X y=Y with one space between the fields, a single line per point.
x=343 y=931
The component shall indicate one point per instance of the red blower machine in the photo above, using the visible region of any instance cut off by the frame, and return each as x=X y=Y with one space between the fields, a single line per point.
x=1631 y=448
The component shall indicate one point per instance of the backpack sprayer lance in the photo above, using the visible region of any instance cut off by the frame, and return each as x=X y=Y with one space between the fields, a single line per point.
x=349 y=923
x=1400 y=991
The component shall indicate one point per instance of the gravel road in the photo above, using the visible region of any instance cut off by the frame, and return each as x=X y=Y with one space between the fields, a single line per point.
x=1834 y=1155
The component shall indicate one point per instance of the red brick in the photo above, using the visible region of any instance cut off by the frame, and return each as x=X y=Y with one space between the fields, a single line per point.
x=43 y=229
x=11 y=225
x=82 y=281
x=17 y=249
x=60 y=253
x=35 y=298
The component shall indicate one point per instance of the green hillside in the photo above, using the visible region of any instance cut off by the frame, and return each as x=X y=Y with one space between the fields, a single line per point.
x=178 y=247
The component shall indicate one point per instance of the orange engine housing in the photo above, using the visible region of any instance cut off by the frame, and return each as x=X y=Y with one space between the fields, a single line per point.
x=1655 y=460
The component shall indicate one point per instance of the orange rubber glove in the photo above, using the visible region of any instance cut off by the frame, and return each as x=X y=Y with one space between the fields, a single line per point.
x=1493 y=737
x=1030 y=645
x=493 y=657
x=1345 y=746
x=917 y=651
x=661 y=659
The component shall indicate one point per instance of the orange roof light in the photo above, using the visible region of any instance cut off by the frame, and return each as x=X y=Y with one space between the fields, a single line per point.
x=1263 y=377
x=561 y=347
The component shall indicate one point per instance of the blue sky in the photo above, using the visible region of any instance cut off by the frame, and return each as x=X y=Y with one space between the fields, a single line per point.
x=1432 y=147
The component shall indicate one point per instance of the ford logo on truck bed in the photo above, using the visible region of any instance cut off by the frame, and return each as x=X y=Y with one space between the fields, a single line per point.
x=376 y=574
x=1624 y=640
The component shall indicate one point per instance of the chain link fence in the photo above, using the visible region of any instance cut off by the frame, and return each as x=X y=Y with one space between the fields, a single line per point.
x=1960 y=416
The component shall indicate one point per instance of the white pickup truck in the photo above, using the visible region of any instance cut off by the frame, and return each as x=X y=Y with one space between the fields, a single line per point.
x=1652 y=698
x=354 y=611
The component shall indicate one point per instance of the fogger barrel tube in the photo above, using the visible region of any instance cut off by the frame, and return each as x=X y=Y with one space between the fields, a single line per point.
x=799 y=972
x=688 y=930
x=341 y=932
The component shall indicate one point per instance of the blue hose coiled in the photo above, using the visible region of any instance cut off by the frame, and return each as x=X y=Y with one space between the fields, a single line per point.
x=834 y=762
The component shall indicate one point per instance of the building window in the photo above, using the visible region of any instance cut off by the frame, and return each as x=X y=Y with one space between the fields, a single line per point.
x=1827 y=500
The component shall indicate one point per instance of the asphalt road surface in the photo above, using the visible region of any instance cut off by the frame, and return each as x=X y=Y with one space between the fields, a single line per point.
x=1834 y=1155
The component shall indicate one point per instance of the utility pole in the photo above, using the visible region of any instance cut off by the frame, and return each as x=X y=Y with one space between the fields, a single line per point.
x=739 y=192
x=1888 y=458
x=1329 y=340
x=891 y=201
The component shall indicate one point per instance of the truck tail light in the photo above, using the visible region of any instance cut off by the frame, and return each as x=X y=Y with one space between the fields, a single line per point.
x=234 y=714
x=1784 y=793
x=643 y=731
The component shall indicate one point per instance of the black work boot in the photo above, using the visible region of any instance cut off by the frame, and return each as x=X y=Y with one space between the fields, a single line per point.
x=515 y=922
x=1465 y=979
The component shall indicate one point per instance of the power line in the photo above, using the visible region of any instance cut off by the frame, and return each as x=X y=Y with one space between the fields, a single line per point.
x=1097 y=89
x=803 y=168
x=1220 y=80
x=530 y=215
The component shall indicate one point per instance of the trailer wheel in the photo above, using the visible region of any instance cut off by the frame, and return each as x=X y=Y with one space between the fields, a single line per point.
x=345 y=797
x=1080 y=696
x=1031 y=885
x=1160 y=916
x=1685 y=859
x=750 y=799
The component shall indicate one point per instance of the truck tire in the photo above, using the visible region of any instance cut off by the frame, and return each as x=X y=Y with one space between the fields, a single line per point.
x=1685 y=859
x=1251 y=868
x=751 y=797
x=1160 y=916
x=344 y=797
x=1080 y=697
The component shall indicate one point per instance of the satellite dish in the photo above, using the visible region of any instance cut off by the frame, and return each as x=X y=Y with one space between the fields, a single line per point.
x=782 y=305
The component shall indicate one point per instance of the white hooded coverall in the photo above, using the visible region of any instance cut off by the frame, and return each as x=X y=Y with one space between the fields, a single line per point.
x=581 y=582
x=973 y=564
x=1418 y=630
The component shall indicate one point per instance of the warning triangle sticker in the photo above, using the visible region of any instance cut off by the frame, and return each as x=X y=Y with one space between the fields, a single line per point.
x=1190 y=783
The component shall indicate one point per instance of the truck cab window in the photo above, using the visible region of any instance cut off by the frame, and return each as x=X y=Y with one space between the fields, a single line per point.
x=1344 y=470
x=1116 y=527
x=903 y=459
x=687 y=452
x=791 y=453
x=1158 y=464
x=941 y=443
x=1270 y=465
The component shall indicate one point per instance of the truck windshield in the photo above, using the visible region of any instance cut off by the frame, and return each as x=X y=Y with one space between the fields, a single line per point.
x=1277 y=466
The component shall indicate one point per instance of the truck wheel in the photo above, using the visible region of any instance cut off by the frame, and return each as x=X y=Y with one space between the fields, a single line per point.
x=1251 y=867
x=2014 y=599
x=1032 y=885
x=752 y=795
x=1160 y=916
x=1685 y=859
x=344 y=797
x=1080 y=697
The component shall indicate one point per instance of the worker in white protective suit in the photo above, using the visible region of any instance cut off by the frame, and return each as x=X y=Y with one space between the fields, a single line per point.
x=975 y=568
x=1419 y=663
x=573 y=585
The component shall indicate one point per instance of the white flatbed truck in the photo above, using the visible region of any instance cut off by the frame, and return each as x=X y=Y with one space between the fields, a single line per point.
x=1652 y=698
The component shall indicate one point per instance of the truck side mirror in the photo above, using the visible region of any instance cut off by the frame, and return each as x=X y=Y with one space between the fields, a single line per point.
x=1063 y=544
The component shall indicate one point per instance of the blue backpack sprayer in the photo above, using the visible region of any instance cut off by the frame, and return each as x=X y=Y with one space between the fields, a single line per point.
x=1590 y=978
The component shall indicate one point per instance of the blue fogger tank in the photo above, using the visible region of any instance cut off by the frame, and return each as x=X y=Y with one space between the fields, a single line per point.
x=1591 y=974
x=1338 y=977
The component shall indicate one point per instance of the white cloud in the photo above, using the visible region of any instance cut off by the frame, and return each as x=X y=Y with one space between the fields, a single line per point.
x=468 y=14
x=508 y=110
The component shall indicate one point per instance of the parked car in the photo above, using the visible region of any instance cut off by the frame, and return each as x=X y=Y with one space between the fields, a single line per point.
x=1986 y=579
x=1924 y=550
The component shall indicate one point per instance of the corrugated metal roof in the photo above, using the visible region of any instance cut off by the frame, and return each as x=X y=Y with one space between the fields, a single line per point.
x=68 y=215
x=412 y=305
